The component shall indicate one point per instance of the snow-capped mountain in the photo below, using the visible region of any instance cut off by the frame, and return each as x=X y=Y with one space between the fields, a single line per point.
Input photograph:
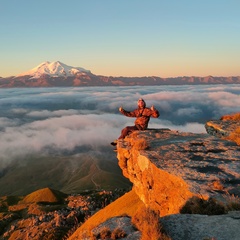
x=58 y=74
x=54 y=69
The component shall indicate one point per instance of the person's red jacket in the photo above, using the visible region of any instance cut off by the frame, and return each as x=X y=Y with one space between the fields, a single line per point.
x=143 y=116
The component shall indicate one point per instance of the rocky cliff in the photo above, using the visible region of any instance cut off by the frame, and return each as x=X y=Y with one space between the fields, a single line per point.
x=169 y=168
x=190 y=180
x=227 y=127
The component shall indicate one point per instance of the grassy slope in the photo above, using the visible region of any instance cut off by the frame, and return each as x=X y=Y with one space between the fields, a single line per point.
x=44 y=195
x=128 y=204
x=67 y=174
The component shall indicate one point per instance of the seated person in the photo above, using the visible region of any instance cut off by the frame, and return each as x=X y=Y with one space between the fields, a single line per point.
x=142 y=114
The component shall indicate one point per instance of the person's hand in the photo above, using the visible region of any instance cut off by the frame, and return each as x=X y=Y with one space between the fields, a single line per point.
x=152 y=108
x=120 y=109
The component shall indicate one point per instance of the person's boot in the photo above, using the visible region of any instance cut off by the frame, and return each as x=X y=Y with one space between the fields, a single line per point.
x=114 y=143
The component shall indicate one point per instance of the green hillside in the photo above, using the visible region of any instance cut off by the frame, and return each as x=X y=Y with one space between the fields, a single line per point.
x=69 y=174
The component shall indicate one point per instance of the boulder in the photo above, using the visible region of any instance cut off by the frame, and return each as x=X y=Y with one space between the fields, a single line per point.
x=195 y=226
x=117 y=228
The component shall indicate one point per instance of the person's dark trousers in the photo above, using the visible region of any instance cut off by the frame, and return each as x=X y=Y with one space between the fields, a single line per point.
x=127 y=130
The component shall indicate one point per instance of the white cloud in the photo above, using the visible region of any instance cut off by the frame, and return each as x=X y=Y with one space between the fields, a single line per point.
x=19 y=110
x=7 y=122
x=63 y=133
x=33 y=120
x=188 y=111
x=225 y=99
x=47 y=113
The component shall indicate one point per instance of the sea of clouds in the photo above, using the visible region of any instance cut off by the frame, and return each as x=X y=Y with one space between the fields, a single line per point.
x=36 y=120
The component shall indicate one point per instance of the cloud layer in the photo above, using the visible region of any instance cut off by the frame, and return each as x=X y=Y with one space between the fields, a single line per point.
x=36 y=120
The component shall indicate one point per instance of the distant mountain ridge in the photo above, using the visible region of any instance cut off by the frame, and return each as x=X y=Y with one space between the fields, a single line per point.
x=58 y=74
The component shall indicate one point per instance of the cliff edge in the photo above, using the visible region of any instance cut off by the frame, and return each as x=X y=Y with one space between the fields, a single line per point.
x=188 y=179
x=227 y=127
x=169 y=168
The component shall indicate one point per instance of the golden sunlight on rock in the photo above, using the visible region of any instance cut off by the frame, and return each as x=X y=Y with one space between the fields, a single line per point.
x=228 y=127
x=178 y=166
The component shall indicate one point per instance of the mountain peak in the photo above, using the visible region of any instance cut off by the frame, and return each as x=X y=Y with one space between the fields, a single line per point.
x=54 y=69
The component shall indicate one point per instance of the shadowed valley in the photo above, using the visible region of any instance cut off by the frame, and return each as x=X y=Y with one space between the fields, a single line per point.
x=70 y=174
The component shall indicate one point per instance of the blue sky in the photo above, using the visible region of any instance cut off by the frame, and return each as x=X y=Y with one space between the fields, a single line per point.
x=122 y=38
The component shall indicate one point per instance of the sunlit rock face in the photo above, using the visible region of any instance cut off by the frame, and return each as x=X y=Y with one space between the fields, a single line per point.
x=227 y=127
x=175 y=166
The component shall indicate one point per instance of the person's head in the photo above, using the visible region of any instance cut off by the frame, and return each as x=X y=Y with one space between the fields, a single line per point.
x=141 y=103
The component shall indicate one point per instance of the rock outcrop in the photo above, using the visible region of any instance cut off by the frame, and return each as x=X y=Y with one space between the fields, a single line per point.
x=48 y=213
x=196 y=226
x=227 y=127
x=175 y=167
x=177 y=173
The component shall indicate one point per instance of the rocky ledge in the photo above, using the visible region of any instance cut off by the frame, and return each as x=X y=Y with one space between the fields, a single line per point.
x=190 y=181
x=169 y=169
x=227 y=127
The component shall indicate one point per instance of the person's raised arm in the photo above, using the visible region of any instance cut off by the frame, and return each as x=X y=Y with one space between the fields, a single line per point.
x=126 y=113
x=155 y=112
